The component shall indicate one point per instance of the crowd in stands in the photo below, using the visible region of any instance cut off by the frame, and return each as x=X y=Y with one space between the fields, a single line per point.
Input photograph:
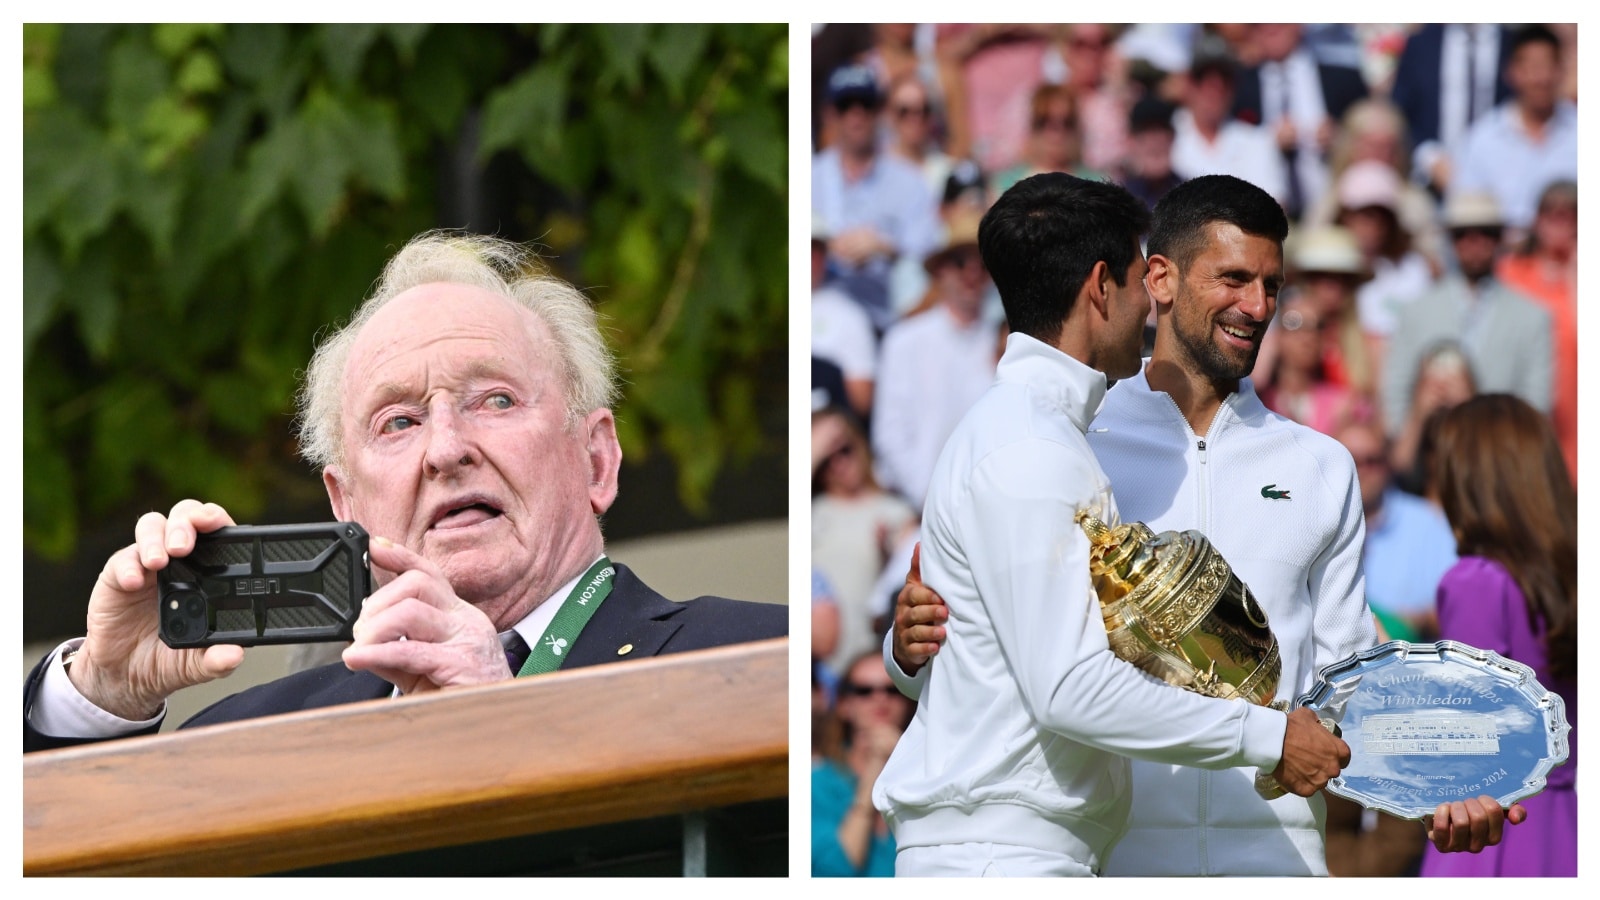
x=1430 y=175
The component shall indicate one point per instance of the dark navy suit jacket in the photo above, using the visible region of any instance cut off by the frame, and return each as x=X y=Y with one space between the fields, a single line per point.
x=633 y=614
x=1419 y=80
x=1342 y=86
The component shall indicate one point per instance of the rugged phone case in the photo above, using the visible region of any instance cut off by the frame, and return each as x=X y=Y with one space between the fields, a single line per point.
x=266 y=584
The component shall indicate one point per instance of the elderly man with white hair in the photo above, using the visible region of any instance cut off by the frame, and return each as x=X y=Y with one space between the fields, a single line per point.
x=462 y=417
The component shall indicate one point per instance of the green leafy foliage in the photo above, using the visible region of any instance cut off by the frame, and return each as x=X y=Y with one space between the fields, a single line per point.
x=200 y=200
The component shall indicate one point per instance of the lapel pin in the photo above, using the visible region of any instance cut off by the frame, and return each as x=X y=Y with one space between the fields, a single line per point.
x=625 y=649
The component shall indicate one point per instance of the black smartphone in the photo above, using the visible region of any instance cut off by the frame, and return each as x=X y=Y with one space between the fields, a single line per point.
x=266 y=584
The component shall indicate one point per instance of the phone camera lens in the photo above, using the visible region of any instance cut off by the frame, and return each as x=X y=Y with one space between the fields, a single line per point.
x=195 y=606
x=177 y=627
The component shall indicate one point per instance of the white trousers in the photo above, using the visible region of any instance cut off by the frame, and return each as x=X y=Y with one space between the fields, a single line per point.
x=986 y=861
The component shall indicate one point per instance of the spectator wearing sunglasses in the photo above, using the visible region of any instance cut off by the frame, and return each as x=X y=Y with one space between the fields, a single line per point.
x=1505 y=336
x=1408 y=547
x=1328 y=270
x=877 y=207
x=1094 y=76
x=912 y=123
x=1300 y=388
x=1055 y=139
x=848 y=836
x=855 y=527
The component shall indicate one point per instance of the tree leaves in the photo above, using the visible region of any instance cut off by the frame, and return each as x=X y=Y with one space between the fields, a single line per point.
x=200 y=200
x=529 y=113
x=41 y=290
x=758 y=133
x=623 y=47
x=678 y=55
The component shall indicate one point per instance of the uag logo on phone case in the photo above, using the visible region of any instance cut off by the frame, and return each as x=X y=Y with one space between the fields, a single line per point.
x=255 y=587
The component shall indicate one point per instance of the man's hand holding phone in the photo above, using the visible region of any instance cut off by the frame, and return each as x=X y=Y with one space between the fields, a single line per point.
x=123 y=666
x=416 y=634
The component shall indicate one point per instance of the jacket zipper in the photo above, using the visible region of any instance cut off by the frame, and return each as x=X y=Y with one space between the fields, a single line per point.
x=1203 y=509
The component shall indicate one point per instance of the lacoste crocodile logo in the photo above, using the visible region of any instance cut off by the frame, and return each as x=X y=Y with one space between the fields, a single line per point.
x=1271 y=494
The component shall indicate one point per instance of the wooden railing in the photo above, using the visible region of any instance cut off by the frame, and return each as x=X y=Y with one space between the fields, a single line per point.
x=671 y=735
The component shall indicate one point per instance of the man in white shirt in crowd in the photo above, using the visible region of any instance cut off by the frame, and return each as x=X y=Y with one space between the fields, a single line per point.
x=841 y=332
x=1209 y=140
x=934 y=364
x=1448 y=76
x=1522 y=146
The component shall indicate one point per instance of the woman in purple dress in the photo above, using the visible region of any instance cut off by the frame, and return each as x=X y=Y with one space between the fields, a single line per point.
x=1498 y=470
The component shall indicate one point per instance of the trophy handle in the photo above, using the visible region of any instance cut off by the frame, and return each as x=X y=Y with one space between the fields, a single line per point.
x=1252 y=609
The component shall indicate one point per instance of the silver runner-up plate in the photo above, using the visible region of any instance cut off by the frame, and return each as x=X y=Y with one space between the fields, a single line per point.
x=1429 y=723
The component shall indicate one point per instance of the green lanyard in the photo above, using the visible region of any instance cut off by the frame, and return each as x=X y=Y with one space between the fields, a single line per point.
x=591 y=590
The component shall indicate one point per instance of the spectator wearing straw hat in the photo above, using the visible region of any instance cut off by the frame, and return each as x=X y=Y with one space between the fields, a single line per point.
x=1327 y=269
x=1505 y=336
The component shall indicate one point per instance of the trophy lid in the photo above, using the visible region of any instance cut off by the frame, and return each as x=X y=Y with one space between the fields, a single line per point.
x=1152 y=570
x=1120 y=552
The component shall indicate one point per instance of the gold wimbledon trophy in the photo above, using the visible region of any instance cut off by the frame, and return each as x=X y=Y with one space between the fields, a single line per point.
x=1173 y=607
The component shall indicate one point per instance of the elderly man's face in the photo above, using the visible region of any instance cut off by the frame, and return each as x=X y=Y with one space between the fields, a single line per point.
x=456 y=445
